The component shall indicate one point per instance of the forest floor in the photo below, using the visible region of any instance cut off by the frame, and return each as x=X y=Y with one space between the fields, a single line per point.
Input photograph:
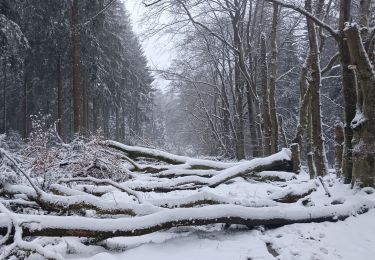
x=353 y=238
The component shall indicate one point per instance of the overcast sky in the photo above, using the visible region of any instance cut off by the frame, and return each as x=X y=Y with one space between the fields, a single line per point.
x=157 y=49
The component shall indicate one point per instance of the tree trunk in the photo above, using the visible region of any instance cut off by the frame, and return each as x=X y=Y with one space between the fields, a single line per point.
x=239 y=89
x=339 y=140
x=105 y=120
x=284 y=140
x=4 y=96
x=348 y=90
x=315 y=83
x=273 y=76
x=310 y=153
x=95 y=114
x=364 y=122
x=85 y=106
x=76 y=64
x=59 y=98
x=265 y=93
x=24 y=106
x=304 y=100
x=137 y=226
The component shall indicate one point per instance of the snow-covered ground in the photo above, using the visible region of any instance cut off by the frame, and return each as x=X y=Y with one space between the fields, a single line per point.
x=351 y=239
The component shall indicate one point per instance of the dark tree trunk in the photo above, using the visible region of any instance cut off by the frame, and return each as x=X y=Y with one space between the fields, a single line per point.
x=348 y=90
x=76 y=64
x=364 y=122
x=265 y=93
x=273 y=75
x=24 y=106
x=339 y=141
x=59 y=98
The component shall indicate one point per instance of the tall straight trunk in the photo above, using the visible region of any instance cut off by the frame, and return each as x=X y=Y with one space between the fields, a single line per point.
x=265 y=96
x=304 y=100
x=76 y=64
x=85 y=107
x=239 y=86
x=226 y=119
x=310 y=152
x=349 y=92
x=105 y=120
x=59 y=98
x=284 y=140
x=273 y=76
x=339 y=140
x=251 y=89
x=94 y=114
x=252 y=122
x=117 y=120
x=364 y=10
x=24 y=106
x=364 y=121
x=315 y=83
x=122 y=124
x=4 y=96
x=240 y=146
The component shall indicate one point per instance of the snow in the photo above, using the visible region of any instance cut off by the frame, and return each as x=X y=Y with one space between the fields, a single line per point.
x=243 y=199
x=347 y=240
x=358 y=119
x=285 y=176
x=350 y=239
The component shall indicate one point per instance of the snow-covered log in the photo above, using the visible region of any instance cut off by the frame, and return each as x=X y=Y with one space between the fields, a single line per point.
x=243 y=169
x=105 y=182
x=36 y=225
x=78 y=202
x=139 y=152
x=293 y=195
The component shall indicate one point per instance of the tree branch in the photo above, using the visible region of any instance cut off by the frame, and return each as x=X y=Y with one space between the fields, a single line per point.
x=335 y=34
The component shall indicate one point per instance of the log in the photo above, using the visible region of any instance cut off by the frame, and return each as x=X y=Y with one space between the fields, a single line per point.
x=143 y=152
x=53 y=202
x=278 y=161
x=225 y=214
x=105 y=182
x=293 y=195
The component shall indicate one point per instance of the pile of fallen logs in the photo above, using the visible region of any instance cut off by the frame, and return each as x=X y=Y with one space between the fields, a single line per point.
x=61 y=209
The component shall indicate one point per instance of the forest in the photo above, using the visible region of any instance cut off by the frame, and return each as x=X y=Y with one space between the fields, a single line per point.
x=257 y=141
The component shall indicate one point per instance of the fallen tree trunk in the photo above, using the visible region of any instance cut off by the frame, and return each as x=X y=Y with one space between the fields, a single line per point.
x=293 y=195
x=36 y=225
x=280 y=160
x=143 y=152
x=77 y=202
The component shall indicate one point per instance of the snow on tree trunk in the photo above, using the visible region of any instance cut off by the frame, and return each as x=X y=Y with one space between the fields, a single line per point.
x=364 y=122
x=315 y=83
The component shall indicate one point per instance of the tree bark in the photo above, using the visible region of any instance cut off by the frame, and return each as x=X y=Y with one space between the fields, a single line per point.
x=76 y=65
x=272 y=86
x=137 y=226
x=24 y=105
x=265 y=93
x=305 y=101
x=348 y=90
x=4 y=95
x=315 y=83
x=364 y=122
x=339 y=141
x=59 y=98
